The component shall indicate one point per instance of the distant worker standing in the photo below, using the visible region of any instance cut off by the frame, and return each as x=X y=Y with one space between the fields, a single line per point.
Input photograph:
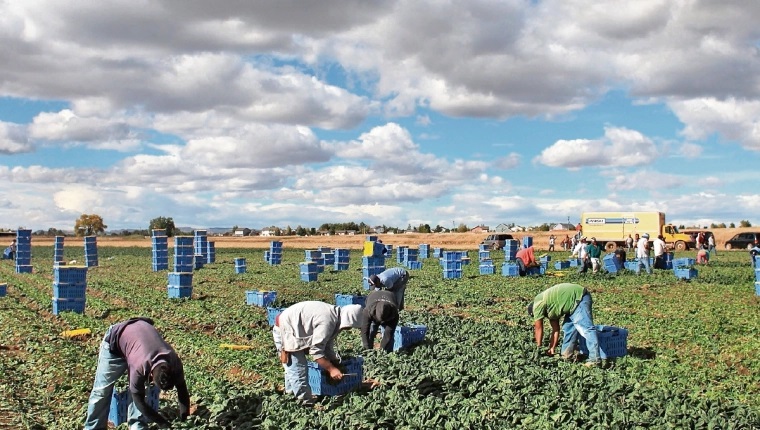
x=711 y=245
x=629 y=243
x=642 y=253
x=572 y=303
x=393 y=280
x=551 y=242
x=659 y=252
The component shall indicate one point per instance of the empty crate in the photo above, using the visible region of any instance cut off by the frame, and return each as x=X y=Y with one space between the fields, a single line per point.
x=348 y=299
x=260 y=298
x=613 y=342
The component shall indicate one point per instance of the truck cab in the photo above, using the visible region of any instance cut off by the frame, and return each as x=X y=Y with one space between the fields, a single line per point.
x=679 y=241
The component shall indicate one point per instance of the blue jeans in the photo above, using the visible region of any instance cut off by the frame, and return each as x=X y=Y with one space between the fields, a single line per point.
x=644 y=262
x=296 y=371
x=581 y=322
x=711 y=249
x=110 y=369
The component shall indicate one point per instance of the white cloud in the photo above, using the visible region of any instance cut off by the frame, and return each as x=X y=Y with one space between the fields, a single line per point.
x=98 y=133
x=734 y=119
x=14 y=139
x=511 y=161
x=619 y=147
x=645 y=180
x=690 y=150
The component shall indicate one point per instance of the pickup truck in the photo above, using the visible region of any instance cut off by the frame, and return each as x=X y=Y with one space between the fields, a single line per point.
x=496 y=241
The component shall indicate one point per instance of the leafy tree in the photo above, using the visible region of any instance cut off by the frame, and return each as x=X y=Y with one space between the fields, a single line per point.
x=300 y=231
x=288 y=231
x=277 y=231
x=163 y=223
x=52 y=231
x=462 y=228
x=88 y=225
x=313 y=231
x=721 y=225
x=745 y=223
x=731 y=225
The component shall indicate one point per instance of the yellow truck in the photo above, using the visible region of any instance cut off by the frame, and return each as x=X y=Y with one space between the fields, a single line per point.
x=613 y=228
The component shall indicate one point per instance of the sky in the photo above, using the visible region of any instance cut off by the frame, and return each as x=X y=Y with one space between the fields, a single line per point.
x=284 y=112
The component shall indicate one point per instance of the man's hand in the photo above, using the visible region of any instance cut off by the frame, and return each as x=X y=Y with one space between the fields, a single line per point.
x=336 y=374
x=284 y=356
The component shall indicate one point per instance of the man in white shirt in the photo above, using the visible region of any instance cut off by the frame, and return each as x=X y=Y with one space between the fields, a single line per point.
x=659 y=252
x=580 y=252
x=642 y=253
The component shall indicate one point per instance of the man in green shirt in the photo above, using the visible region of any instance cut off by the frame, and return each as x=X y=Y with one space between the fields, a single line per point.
x=572 y=303
x=593 y=256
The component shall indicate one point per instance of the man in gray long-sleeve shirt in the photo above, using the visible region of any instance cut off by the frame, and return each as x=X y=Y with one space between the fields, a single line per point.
x=311 y=327
x=135 y=347
x=380 y=311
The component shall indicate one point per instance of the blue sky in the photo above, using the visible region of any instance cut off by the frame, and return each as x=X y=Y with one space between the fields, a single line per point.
x=388 y=112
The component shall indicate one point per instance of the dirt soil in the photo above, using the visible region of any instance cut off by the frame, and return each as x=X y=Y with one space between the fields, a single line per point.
x=435 y=240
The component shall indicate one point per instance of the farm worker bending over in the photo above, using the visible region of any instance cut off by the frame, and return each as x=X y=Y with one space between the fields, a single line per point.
x=393 y=280
x=703 y=256
x=136 y=348
x=572 y=303
x=642 y=253
x=311 y=328
x=380 y=310
x=525 y=259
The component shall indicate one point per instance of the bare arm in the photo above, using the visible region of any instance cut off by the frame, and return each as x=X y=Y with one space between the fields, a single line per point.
x=554 y=337
x=334 y=372
x=150 y=414
x=538 y=331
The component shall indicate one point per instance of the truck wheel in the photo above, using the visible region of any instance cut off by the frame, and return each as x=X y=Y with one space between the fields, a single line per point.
x=728 y=246
x=610 y=246
x=681 y=246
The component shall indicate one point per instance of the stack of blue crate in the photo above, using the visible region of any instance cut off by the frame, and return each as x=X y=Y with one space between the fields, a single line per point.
x=309 y=271
x=210 y=252
x=183 y=254
x=201 y=245
x=543 y=261
x=437 y=252
x=23 y=251
x=509 y=268
x=160 y=250
x=452 y=264
x=612 y=263
x=69 y=289
x=527 y=241
x=342 y=257
x=465 y=257
x=180 y=285
x=274 y=255
x=328 y=255
x=484 y=255
x=58 y=250
x=667 y=260
x=388 y=251
x=260 y=298
x=266 y=256
x=91 y=251
x=424 y=251
x=371 y=239
x=3 y=289
x=200 y=261
x=315 y=256
x=409 y=254
x=240 y=266
x=511 y=247
x=683 y=268
x=371 y=266
x=400 y=254
x=486 y=267
x=757 y=276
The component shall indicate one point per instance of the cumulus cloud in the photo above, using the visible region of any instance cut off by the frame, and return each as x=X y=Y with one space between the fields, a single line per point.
x=690 y=150
x=14 y=139
x=734 y=119
x=645 y=180
x=619 y=147
x=509 y=162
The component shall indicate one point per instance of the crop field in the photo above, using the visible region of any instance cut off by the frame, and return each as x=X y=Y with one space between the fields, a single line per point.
x=693 y=350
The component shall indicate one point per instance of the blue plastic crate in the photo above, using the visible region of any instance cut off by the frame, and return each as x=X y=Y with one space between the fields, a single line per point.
x=611 y=263
x=199 y=261
x=510 y=270
x=545 y=258
x=535 y=271
x=329 y=258
x=340 y=266
x=369 y=271
x=373 y=261
x=23 y=233
x=272 y=314
x=527 y=241
x=260 y=298
x=757 y=274
x=685 y=273
x=365 y=284
x=309 y=277
x=437 y=252
x=178 y=279
x=312 y=254
x=632 y=265
x=487 y=269
x=70 y=274
x=452 y=265
x=414 y=265
x=452 y=274
x=158 y=232
x=275 y=244
x=183 y=267
x=371 y=238
x=90 y=240
x=683 y=262
x=274 y=261
x=408 y=335
x=342 y=259
x=183 y=241
x=23 y=268
x=613 y=342
x=120 y=401
x=179 y=292
x=68 y=305
x=560 y=265
x=161 y=254
x=240 y=261
x=757 y=263
x=68 y=291
x=757 y=288
x=322 y=385
x=465 y=261
x=3 y=290
x=240 y=269
x=451 y=256
x=349 y=299
x=308 y=267
x=484 y=255
x=158 y=266
x=343 y=252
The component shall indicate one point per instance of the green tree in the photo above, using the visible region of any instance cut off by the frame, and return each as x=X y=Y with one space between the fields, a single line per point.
x=89 y=224
x=288 y=231
x=462 y=228
x=722 y=225
x=165 y=223
x=731 y=225
x=300 y=231
x=745 y=223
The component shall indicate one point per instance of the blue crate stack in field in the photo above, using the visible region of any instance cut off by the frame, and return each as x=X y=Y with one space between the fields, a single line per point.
x=201 y=245
x=613 y=342
x=400 y=253
x=668 y=260
x=180 y=285
x=612 y=263
x=308 y=271
x=410 y=258
x=120 y=401
x=322 y=385
x=3 y=289
x=342 y=259
x=451 y=261
x=373 y=248
x=210 y=252
x=91 y=251
x=510 y=269
x=159 y=250
x=184 y=253
x=274 y=255
x=487 y=267
x=315 y=256
x=69 y=289
x=511 y=247
x=388 y=251
x=260 y=298
x=527 y=241
x=349 y=299
x=683 y=268
x=424 y=251
x=240 y=265
x=58 y=250
x=327 y=254
x=437 y=252
x=465 y=257
x=23 y=257
x=371 y=266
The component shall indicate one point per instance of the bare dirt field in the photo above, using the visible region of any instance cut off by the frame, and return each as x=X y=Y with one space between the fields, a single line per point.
x=443 y=240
